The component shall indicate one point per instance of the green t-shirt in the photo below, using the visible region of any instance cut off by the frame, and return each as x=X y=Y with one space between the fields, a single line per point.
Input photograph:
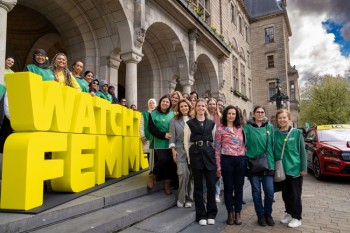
x=46 y=74
x=294 y=156
x=84 y=85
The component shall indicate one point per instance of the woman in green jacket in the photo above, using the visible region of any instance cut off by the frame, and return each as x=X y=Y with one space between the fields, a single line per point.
x=158 y=126
x=259 y=140
x=294 y=164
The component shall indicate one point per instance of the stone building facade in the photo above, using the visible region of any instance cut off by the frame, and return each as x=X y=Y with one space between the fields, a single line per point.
x=152 y=47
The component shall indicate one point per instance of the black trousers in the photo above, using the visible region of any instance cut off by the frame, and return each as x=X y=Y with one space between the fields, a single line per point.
x=165 y=166
x=291 y=194
x=210 y=211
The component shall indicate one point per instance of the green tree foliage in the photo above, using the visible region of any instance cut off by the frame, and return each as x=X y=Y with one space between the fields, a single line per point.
x=325 y=100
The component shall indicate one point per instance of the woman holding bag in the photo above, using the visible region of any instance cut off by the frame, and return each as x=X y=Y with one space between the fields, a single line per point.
x=259 y=140
x=294 y=164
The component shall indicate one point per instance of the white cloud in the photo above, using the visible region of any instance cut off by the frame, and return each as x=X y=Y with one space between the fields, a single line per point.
x=312 y=50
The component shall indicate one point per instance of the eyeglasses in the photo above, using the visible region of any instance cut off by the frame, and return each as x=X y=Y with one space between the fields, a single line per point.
x=258 y=112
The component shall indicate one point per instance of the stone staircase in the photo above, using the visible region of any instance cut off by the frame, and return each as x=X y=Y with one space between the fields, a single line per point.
x=125 y=207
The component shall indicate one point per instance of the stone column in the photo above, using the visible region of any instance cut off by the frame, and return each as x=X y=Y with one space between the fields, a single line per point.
x=113 y=67
x=186 y=84
x=131 y=60
x=192 y=60
x=221 y=60
x=5 y=7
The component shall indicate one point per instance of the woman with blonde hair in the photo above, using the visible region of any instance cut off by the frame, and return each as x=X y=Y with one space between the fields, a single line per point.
x=198 y=139
x=289 y=146
x=61 y=72
x=175 y=97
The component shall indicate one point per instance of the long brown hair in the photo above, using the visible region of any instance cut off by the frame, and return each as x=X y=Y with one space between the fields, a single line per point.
x=179 y=115
x=66 y=72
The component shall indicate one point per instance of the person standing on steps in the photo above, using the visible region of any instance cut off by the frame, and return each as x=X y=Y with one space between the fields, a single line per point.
x=158 y=126
x=177 y=124
x=198 y=139
x=231 y=161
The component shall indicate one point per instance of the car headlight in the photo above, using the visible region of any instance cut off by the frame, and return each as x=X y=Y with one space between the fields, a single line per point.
x=330 y=152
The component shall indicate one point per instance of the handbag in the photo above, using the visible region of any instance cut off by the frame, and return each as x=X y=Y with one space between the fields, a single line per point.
x=259 y=164
x=280 y=175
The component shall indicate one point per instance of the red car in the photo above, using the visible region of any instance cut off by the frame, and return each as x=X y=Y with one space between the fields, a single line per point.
x=328 y=150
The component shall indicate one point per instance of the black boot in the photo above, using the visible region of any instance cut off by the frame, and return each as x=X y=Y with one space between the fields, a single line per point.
x=269 y=220
x=262 y=220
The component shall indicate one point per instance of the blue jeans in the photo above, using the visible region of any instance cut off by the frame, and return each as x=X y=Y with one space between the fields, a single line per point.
x=267 y=183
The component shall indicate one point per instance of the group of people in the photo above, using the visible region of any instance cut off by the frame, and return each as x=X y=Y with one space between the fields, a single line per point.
x=59 y=71
x=192 y=142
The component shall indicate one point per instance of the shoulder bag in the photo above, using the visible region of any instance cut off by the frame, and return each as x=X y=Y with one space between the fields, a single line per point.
x=280 y=175
x=259 y=164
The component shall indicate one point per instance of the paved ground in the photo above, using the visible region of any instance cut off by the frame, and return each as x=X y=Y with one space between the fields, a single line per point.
x=326 y=208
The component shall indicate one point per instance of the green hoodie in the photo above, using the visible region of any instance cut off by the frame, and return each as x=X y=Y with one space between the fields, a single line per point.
x=255 y=141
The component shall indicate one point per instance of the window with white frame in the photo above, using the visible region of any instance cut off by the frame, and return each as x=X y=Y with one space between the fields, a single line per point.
x=233 y=13
x=203 y=7
x=269 y=35
x=240 y=25
x=235 y=77
x=243 y=81
x=248 y=59
x=247 y=34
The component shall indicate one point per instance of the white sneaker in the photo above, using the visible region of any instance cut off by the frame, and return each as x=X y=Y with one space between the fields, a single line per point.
x=286 y=219
x=179 y=204
x=294 y=223
x=211 y=221
x=188 y=205
x=217 y=198
x=203 y=222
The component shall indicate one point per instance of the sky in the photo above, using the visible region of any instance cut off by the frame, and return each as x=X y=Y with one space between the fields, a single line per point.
x=320 y=42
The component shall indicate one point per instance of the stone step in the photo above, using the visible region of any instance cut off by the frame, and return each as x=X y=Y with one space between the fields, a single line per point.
x=172 y=220
x=182 y=220
x=111 y=195
x=115 y=217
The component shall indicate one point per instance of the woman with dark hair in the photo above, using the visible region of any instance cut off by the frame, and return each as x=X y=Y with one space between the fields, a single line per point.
x=83 y=83
x=40 y=65
x=198 y=139
x=9 y=62
x=158 y=126
x=185 y=194
x=259 y=140
x=62 y=74
x=93 y=86
x=111 y=91
x=231 y=161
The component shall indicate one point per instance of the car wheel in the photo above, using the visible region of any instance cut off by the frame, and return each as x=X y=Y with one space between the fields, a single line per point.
x=317 y=168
